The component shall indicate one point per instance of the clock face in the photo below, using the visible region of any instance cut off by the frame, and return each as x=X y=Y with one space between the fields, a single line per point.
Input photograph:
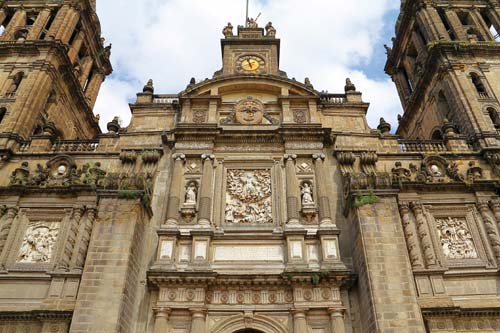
x=250 y=64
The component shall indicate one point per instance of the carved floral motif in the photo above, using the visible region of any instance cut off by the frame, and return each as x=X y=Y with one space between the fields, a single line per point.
x=456 y=239
x=248 y=197
x=38 y=243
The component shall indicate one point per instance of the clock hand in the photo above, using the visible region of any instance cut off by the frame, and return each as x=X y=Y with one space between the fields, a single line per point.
x=250 y=63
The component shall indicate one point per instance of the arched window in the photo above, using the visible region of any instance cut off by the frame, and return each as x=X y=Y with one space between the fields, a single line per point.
x=437 y=135
x=478 y=84
x=495 y=119
x=443 y=106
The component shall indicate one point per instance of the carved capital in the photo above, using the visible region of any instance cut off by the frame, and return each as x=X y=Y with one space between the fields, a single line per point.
x=290 y=157
x=319 y=157
x=162 y=312
x=482 y=206
x=179 y=157
x=404 y=208
x=208 y=157
x=12 y=212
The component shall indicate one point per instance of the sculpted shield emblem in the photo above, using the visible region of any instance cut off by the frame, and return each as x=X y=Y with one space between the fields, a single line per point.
x=249 y=111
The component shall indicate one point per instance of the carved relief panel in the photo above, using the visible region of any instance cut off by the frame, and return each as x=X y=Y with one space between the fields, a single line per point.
x=38 y=242
x=457 y=237
x=248 y=197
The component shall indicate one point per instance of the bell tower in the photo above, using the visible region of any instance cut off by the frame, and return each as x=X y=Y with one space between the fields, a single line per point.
x=445 y=62
x=52 y=64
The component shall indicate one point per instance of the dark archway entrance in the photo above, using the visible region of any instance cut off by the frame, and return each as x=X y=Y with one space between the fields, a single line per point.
x=248 y=330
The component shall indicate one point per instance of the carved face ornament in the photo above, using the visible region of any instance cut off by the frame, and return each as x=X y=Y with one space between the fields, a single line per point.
x=249 y=111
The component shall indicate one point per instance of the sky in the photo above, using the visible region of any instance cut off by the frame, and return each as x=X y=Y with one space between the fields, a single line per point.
x=171 y=41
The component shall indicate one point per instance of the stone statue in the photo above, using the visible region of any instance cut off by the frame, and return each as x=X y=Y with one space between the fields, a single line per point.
x=191 y=194
x=307 y=198
x=270 y=30
x=349 y=86
x=228 y=30
x=252 y=23
x=436 y=171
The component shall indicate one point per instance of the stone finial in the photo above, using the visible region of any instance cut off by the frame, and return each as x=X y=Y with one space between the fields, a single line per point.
x=308 y=83
x=448 y=128
x=114 y=125
x=270 y=30
x=384 y=127
x=149 y=88
x=349 y=86
x=228 y=30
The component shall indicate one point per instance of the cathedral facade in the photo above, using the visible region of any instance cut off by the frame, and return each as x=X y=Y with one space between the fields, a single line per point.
x=250 y=202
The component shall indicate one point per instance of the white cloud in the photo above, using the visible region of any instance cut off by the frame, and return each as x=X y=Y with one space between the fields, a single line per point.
x=172 y=40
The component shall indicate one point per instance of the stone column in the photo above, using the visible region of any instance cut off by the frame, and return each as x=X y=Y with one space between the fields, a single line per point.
x=174 y=199
x=205 y=214
x=57 y=23
x=456 y=25
x=299 y=321
x=436 y=21
x=337 y=320
x=93 y=87
x=424 y=235
x=325 y=216
x=161 y=320
x=68 y=24
x=82 y=241
x=198 y=321
x=490 y=229
x=40 y=23
x=76 y=46
x=6 y=236
x=402 y=84
x=86 y=67
x=481 y=25
x=495 y=207
x=18 y=20
x=411 y=237
x=292 y=185
x=72 y=235
x=3 y=15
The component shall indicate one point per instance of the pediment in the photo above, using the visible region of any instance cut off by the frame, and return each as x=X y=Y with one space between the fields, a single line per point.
x=250 y=86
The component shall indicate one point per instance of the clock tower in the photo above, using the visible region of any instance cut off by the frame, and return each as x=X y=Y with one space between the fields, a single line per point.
x=252 y=51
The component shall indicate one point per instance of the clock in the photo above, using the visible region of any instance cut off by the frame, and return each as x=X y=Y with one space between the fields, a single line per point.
x=250 y=64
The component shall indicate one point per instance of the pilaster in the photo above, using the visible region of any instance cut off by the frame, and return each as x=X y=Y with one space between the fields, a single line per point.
x=174 y=200
x=292 y=196
x=325 y=216
x=205 y=214
x=40 y=23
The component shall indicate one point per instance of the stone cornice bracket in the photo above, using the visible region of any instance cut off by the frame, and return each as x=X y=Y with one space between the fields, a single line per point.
x=346 y=160
x=368 y=162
